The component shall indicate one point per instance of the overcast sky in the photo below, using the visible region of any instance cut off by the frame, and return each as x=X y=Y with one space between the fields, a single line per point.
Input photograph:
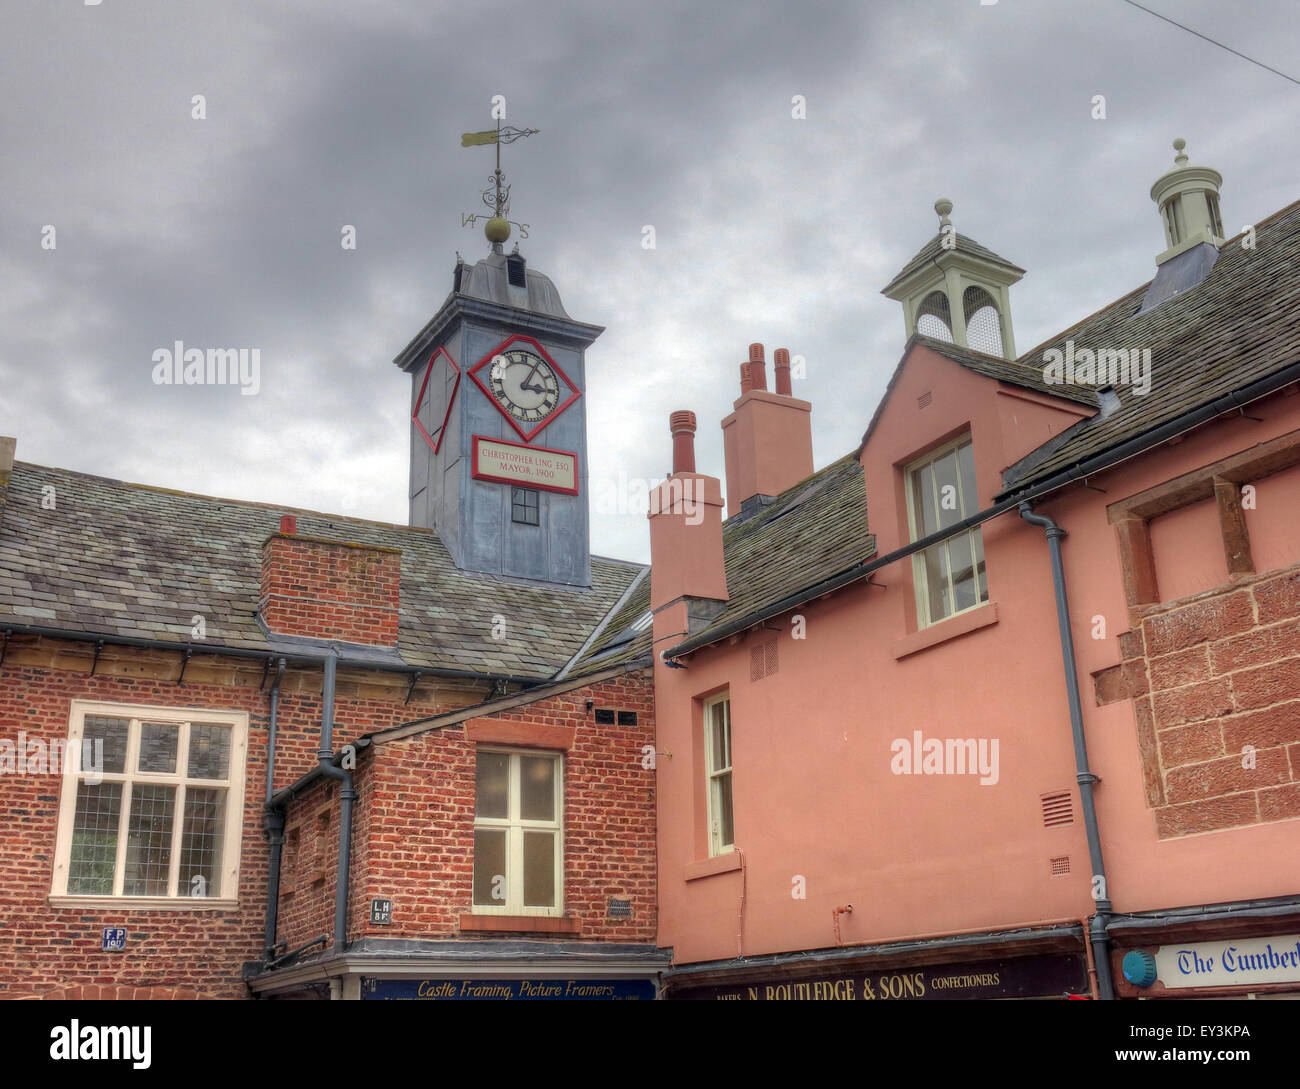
x=225 y=232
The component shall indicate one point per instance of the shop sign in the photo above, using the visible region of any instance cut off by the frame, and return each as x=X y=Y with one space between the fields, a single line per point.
x=1229 y=963
x=1019 y=977
x=624 y=990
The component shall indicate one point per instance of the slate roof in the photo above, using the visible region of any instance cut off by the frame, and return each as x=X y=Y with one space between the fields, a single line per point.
x=131 y=560
x=811 y=531
x=1242 y=323
x=935 y=248
x=625 y=638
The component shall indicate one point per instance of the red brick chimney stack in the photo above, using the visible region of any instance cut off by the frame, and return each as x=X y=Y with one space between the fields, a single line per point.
x=326 y=589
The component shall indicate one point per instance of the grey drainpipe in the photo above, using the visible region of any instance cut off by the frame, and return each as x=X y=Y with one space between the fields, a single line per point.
x=347 y=795
x=1085 y=777
x=273 y=819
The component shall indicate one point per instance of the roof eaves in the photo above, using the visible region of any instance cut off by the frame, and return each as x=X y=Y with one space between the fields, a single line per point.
x=793 y=600
x=502 y=703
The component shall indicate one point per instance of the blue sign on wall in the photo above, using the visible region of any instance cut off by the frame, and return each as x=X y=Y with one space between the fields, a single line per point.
x=114 y=939
x=624 y=990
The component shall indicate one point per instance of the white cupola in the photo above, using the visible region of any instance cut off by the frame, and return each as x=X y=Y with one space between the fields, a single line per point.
x=956 y=290
x=1188 y=199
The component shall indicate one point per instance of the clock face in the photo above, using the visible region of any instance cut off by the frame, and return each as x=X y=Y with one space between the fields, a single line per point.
x=524 y=384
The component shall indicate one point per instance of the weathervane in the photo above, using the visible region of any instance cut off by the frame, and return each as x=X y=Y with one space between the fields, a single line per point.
x=497 y=195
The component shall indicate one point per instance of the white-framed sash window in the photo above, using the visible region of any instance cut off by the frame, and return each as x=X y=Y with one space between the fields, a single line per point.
x=518 y=832
x=152 y=805
x=949 y=576
x=717 y=763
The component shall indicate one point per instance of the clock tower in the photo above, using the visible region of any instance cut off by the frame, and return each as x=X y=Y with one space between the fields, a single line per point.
x=499 y=422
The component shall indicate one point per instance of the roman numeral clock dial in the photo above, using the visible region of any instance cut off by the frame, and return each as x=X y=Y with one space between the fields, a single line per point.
x=524 y=385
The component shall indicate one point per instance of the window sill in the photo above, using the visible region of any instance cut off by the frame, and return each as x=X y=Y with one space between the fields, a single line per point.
x=541 y=924
x=710 y=866
x=143 y=903
x=955 y=626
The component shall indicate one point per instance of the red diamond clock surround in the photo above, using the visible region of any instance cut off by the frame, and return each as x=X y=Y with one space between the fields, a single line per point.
x=512 y=390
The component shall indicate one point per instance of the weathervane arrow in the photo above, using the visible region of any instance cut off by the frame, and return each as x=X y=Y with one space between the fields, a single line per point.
x=497 y=195
x=507 y=135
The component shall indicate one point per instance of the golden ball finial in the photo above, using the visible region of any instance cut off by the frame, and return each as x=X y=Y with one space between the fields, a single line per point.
x=497 y=229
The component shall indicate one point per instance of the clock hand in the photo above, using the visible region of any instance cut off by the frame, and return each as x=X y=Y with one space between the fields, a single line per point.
x=531 y=388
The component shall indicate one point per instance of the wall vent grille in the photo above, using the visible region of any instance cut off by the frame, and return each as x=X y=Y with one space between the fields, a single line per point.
x=763 y=660
x=1058 y=809
x=924 y=400
x=1060 y=866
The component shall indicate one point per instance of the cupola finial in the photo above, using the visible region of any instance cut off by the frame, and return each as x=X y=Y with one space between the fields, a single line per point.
x=943 y=206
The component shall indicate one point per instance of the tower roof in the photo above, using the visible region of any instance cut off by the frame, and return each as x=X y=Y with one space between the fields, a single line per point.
x=934 y=249
x=491 y=280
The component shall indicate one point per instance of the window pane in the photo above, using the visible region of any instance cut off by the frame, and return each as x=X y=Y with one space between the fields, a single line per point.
x=492 y=778
x=945 y=484
x=718 y=738
x=158 y=742
x=923 y=501
x=209 y=752
x=149 y=840
x=978 y=538
x=202 y=831
x=94 y=838
x=537 y=788
x=936 y=580
x=722 y=793
x=490 y=866
x=970 y=499
x=539 y=869
x=111 y=732
x=964 y=587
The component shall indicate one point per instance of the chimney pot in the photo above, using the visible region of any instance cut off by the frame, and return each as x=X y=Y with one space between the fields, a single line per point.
x=682 y=425
x=782 y=367
x=744 y=379
x=757 y=368
x=288 y=524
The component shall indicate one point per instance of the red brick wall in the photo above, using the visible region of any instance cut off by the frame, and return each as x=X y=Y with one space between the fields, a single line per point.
x=330 y=590
x=414 y=827
x=1211 y=676
x=44 y=948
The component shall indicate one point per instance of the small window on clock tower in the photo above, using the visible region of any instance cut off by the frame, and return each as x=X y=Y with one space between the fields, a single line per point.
x=524 y=507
